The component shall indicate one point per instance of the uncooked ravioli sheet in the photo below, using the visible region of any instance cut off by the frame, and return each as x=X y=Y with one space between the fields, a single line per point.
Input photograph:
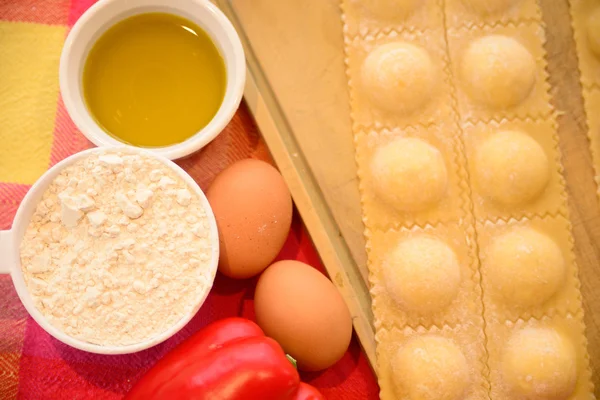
x=567 y=327
x=488 y=117
x=372 y=17
x=469 y=13
x=511 y=251
x=454 y=205
x=466 y=337
x=432 y=134
x=431 y=81
x=586 y=29
x=422 y=299
x=491 y=169
x=527 y=39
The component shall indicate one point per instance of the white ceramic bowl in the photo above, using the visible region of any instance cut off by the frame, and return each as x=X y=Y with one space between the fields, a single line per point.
x=10 y=261
x=104 y=14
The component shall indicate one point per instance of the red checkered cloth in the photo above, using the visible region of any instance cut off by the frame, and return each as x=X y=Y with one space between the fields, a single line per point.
x=35 y=133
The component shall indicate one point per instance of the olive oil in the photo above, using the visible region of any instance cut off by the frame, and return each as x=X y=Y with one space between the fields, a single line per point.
x=154 y=80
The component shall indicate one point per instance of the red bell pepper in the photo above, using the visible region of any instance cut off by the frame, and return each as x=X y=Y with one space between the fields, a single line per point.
x=230 y=359
x=307 y=392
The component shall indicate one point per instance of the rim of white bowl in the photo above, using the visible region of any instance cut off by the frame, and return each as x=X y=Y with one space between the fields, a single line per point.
x=23 y=217
x=104 y=14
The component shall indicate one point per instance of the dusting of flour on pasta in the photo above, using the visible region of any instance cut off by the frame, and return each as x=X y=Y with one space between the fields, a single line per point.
x=118 y=249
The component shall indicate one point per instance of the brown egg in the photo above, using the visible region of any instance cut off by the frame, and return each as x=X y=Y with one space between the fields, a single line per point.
x=299 y=307
x=253 y=209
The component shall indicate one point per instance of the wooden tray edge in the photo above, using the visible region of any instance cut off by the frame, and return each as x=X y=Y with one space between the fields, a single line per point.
x=307 y=196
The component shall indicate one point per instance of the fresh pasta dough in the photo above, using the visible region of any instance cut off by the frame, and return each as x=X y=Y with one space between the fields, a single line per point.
x=511 y=168
x=391 y=9
x=524 y=267
x=409 y=174
x=498 y=71
x=539 y=364
x=399 y=77
x=487 y=7
x=430 y=368
x=467 y=230
x=422 y=274
x=593 y=31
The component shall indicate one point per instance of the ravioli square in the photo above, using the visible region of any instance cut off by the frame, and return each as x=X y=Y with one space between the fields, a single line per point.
x=585 y=16
x=435 y=363
x=528 y=268
x=424 y=276
x=399 y=79
x=539 y=358
x=500 y=72
x=30 y=56
x=515 y=169
x=469 y=13
x=411 y=176
x=368 y=17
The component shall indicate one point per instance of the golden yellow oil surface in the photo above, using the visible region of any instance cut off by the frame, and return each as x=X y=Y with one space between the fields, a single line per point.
x=154 y=80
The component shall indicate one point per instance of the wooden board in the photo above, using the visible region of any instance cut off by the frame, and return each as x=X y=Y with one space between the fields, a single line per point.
x=298 y=94
x=306 y=123
x=577 y=160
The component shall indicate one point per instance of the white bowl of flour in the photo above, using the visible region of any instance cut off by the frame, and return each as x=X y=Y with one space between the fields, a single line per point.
x=112 y=250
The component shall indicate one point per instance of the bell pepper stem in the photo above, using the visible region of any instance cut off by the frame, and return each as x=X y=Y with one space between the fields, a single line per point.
x=292 y=360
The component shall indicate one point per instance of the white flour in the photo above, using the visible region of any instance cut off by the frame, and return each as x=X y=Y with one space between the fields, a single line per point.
x=117 y=250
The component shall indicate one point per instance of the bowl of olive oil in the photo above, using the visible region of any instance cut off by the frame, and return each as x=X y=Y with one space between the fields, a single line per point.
x=166 y=75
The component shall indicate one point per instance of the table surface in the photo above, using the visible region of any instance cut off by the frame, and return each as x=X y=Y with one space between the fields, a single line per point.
x=36 y=133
